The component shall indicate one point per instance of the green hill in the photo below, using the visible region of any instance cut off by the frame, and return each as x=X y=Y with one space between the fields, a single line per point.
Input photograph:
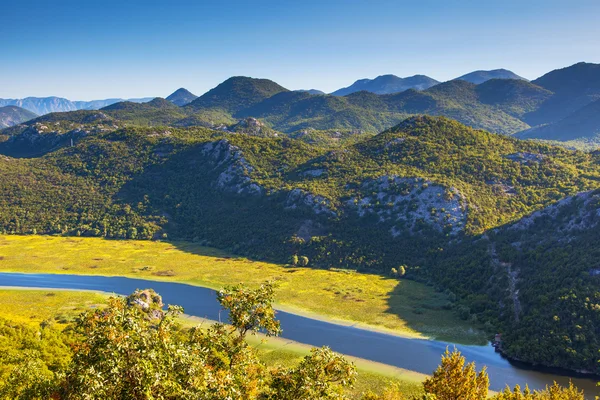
x=417 y=194
x=536 y=281
x=237 y=93
x=460 y=100
x=574 y=87
x=181 y=97
x=480 y=76
x=580 y=128
x=504 y=106
x=514 y=97
x=13 y=115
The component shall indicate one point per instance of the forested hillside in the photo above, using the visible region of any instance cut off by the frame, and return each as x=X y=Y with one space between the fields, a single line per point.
x=416 y=195
x=537 y=281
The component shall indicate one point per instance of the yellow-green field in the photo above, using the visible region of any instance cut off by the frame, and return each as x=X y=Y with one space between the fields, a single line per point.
x=404 y=307
x=32 y=306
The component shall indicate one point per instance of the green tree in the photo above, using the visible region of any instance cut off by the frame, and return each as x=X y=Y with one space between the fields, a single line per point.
x=454 y=380
x=134 y=349
x=303 y=261
x=401 y=271
x=251 y=310
x=554 y=392
x=321 y=375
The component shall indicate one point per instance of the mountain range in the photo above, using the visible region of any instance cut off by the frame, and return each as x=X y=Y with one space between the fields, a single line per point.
x=46 y=105
x=552 y=107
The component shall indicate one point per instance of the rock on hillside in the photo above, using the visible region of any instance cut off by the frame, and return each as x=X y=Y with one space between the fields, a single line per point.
x=233 y=168
x=569 y=215
x=407 y=202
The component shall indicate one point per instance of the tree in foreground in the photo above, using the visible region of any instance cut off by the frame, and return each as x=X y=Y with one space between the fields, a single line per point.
x=554 y=392
x=134 y=349
x=454 y=379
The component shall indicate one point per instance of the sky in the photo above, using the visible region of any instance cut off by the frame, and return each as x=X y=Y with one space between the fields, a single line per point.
x=85 y=50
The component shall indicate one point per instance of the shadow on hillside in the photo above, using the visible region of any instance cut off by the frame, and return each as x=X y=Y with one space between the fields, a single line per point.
x=185 y=190
x=430 y=313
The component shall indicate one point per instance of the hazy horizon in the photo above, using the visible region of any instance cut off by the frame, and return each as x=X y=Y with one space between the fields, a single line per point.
x=143 y=49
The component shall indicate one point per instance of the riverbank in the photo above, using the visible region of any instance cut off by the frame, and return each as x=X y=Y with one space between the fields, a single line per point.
x=399 y=307
x=59 y=307
x=408 y=353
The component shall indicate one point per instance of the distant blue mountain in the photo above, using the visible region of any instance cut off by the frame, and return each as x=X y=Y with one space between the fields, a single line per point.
x=386 y=84
x=46 y=105
x=310 y=91
x=481 y=76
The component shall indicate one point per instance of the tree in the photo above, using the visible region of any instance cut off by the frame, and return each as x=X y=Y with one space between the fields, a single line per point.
x=401 y=271
x=134 y=349
x=251 y=310
x=294 y=260
x=321 y=375
x=554 y=392
x=454 y=380
x=129 y=350
x=394 y=273
x=303 y=261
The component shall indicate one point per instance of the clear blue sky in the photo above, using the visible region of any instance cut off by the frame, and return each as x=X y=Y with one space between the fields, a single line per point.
x=87 y=50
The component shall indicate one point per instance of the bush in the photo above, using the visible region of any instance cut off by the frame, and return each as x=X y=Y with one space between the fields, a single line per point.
x=303 y=261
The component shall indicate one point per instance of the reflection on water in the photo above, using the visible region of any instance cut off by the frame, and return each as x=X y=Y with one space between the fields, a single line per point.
x=414 y=354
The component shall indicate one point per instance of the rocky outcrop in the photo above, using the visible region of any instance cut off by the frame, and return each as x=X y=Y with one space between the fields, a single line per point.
x=252 y=126
x=404 y=202
x=525 y=158
x=234 y=176
x=40 y=139
x=570 y=215
x=234 y=170
x=301 y=198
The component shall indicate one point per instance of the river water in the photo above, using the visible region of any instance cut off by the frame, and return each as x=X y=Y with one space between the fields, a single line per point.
x=413 y=354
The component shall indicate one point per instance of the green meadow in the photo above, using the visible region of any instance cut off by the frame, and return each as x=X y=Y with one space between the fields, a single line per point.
x=403 y=307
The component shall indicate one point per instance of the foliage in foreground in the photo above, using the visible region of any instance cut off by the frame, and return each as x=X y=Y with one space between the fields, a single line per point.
x=134 y=349
x=454 y=380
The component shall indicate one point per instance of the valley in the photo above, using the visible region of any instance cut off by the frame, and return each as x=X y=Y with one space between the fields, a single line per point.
x=439 y=214
x=316 y=200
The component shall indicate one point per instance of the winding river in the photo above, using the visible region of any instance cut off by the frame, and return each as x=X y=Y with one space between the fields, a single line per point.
x=413 y=354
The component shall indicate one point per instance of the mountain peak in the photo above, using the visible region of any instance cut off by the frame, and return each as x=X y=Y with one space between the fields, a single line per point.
x=386 y=84
x=181 y=97
x=481 y=76
x=237 y=93
x=582 y=77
